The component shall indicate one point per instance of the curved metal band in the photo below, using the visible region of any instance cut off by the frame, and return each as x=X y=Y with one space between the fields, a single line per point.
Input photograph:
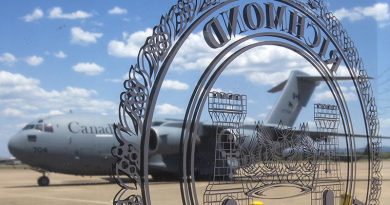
x=188 y=190
x=204 y=86
x=153 y=99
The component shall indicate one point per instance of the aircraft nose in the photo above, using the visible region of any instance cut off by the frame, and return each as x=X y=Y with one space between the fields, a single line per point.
x=13 y=146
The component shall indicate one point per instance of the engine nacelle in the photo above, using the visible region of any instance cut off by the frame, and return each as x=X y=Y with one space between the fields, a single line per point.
x=164 y=140
x=228 y=143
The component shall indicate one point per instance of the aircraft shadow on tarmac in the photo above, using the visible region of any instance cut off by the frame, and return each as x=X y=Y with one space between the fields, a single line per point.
x=112 y=181
x=95 y=183
x=66 y=184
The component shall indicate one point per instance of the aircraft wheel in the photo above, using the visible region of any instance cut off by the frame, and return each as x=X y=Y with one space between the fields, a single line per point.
x=43 y=181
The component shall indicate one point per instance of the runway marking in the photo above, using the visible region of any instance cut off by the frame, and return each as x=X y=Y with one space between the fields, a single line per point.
x=56 y=198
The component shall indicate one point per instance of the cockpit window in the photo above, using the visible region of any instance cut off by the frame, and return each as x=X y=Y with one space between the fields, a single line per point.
x=48 y=128
x=28 y=127
x=39 y=127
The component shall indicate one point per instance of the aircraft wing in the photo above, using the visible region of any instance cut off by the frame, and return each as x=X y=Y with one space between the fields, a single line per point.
x=11 y=161
x=318 y=135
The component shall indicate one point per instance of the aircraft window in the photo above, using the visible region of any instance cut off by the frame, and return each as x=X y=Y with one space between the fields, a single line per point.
x=28 y=127
x=48 y=128
x=39 y=127
x=32 y=138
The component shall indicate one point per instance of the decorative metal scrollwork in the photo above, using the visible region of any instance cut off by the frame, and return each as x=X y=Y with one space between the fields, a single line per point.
x=282 y=155
x=134 y=102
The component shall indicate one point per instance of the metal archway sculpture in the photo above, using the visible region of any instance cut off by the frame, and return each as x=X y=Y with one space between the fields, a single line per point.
x=307 y=28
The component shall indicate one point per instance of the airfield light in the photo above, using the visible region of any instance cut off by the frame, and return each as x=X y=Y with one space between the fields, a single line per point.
x=257 y=203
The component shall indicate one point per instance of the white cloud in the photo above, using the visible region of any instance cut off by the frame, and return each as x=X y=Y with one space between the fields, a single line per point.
x=379 y=12
x=9 y=79
x=24 y=97
x=8 y=59
x=114 y=80
x=345 y=13
x=98 y=23
x=323 y=95
x=265 y=65
x=269 y=65
x=29 y=107
x=174 y=85
x=12 y=112
x=349 y=94
x=79 y=36
x=220 y=90
x=118 y=80
x=195 y=54
x=268 y=78
x=250 y=120
x=55 y=112
x=168 y=109
x=385 y=123
x=57 y=13
x=117 y=11
x=34 y=60
x=88 y=68
x=129 y=45
x=384 y=127
x=134 y=19
x=217 y=90
x=60 y=54
x=35 y=15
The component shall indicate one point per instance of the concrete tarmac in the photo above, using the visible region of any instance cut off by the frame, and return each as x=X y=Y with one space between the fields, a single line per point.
x=19 y=187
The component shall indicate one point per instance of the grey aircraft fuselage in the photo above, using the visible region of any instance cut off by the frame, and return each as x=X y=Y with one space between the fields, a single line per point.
x=70 y=144
x=81 y=144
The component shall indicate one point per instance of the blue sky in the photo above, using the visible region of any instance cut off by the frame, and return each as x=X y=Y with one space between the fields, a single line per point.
x=62 y=55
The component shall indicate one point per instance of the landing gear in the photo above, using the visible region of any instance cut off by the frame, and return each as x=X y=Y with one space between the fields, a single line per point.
x=43 y=181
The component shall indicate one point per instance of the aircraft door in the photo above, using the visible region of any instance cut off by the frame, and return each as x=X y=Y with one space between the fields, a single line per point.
x=68 y=146
x=73 y=148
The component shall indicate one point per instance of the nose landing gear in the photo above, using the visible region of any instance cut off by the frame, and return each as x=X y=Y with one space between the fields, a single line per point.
x=43 y=180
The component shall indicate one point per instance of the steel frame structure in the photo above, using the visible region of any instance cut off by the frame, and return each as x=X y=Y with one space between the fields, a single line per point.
x=138 y=101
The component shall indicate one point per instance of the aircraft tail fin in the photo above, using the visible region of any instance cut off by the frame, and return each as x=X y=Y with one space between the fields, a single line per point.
x=296 y=93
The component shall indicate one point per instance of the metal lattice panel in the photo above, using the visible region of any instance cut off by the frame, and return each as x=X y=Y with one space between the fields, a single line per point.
x=327 y=119
x=228 y=113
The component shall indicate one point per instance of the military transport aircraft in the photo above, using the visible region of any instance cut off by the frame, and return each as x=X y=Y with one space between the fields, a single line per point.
x=81 y=144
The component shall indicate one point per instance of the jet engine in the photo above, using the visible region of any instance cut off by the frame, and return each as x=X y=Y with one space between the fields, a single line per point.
x=164 y=140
